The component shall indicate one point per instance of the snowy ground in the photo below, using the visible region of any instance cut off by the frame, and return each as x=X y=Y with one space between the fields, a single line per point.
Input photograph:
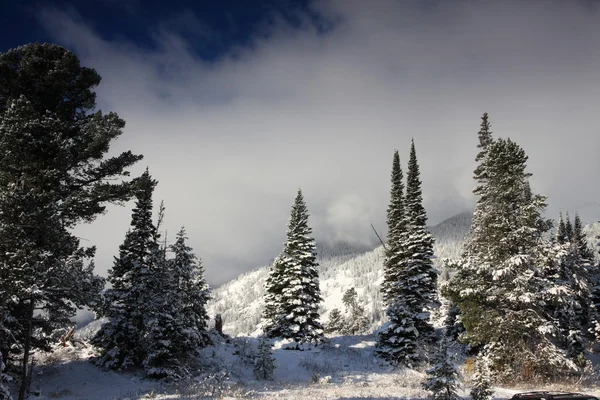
x=343 y=369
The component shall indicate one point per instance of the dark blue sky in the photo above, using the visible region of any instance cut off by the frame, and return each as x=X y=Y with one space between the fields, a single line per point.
x=222 y=23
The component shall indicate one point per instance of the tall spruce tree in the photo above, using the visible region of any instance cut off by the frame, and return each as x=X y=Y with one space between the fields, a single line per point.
x=54 y=174
x=272 y=298
x=417 y=282
x=193 y=290
x=442 y=378
x=580 y=241
x=501 y=285
x=561 y=232
x=166 y=339
x=482 y=383
x=397 y=338
x=568 y=229
x=396 y=222
x=297 y=315
x=129 y=303
x=485 y=140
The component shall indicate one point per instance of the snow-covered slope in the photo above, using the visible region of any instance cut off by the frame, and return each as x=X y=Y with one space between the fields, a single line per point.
x=341 y=267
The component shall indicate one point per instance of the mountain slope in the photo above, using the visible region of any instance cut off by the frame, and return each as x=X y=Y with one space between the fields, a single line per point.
x=341 y=267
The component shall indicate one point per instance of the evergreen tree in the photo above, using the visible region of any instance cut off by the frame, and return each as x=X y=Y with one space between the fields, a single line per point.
x=572 y=278
x=349 y=298
x=579 y=240
x=482 y=387
x=485 y=140
x=193 y=290
x=396 y=222
x=561 y=234
x=54 y=174
x=167 y=339
x=336 y=321
x=417 y=282
x=502 y=286
x=4 y=392
x=452 y=326
x=568 y=229
x=272 y=298
x=442 y=377
x=397 y=339
x=264 y=363
x=298 y=314
x=129 y=302
x=355 y=322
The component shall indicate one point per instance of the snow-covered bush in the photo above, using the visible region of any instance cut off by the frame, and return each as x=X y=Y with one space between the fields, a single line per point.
x=482 y=385
x=442 y=377
x=264 y=363
x=336 y=321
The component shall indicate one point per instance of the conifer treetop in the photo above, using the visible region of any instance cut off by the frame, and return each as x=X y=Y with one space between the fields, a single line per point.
x=485 y=136
x=395 y=211
x=568 y=229
x=414 y=197
x=561 y=236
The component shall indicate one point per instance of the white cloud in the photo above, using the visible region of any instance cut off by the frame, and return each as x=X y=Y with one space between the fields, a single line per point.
x=231 y=140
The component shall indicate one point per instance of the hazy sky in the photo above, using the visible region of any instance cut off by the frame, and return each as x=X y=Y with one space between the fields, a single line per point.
x=323 y=102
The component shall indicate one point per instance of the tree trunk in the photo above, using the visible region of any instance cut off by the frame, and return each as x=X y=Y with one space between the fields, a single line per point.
x=24 y=380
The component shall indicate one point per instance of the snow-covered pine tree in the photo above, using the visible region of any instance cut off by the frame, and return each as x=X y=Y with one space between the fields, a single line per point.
x=573 y=280
x=4 y=392
x=482 y=383
x=442 y=378
x=193 y=289
x=396 y=223
x=54 y=174
x=561 y=234
x=272 y=298
x=349 y=298
x=452 y=326
x=397 y=339
x=129 y=302
x=568 y=229
x=485 y=140
x=298 y=311
x=355 y=322
x=264 y=363
x=167 y=340
x=499 y=286
x=595 y=282
x=579 y=240
x=417 y=279
x=336 y=321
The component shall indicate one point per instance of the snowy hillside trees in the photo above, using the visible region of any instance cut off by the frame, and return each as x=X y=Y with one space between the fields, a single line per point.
x=156 y=306
x=353 y=322
x=292 y=293
x=54 y=174
x=356 y=322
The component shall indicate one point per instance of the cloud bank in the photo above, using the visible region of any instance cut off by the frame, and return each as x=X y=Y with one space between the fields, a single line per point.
x=231 y=140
